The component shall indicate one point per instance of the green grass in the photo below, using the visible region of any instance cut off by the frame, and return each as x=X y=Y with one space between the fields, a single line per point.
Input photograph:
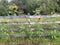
x=41 y=41
x=33 y=19
x=28 y=41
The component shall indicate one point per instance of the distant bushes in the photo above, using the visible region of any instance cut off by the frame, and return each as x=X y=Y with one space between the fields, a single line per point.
x=3 y=10
x=45 y=6
x=33 y=7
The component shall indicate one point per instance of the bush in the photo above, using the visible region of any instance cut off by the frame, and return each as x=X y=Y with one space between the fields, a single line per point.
x=45 y=6
x=48 y=7
x=3 y=7
x=58 y=1
x=30 y=6
x=3 y=10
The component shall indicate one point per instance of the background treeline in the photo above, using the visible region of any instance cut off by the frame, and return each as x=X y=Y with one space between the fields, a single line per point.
x=33 y=7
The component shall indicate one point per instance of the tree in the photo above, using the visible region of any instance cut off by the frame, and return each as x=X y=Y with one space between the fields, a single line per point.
x=3 y=7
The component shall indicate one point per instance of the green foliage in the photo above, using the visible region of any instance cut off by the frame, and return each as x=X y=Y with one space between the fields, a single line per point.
x=38 y=6
x=3 y=10
x=37 y=11
x=48 y=7
x=5 y=32
x=3 y=7
x=45 y=7
x=58 y=10
x=53 y=34
x=34 y=7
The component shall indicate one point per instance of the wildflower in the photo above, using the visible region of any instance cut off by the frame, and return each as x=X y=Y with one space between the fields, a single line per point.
x=39 y=18
x=14 y=8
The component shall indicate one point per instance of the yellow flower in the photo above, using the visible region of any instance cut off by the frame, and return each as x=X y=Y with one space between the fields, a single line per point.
x=14 y=8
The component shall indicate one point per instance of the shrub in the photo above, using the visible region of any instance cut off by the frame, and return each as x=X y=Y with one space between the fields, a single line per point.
x=48 y=7
x=30 y=6
x=45 y=6
x=3 y=10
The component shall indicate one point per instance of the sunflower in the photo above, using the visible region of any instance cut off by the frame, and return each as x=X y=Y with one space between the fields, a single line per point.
x=14 y=8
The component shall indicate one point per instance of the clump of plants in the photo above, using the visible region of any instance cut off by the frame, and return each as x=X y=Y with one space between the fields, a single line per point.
x=41 y=7
x=24 y=33
x=34 y=7
x=13 y=10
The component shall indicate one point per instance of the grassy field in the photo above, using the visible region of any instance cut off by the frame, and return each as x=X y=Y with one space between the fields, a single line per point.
x=12 y=40
x=26 y=19
x=41 y=41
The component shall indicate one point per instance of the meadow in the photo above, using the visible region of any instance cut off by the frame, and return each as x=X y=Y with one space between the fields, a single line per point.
x=29 y=34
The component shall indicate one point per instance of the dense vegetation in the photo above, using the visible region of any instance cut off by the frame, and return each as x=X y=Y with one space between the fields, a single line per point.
x=15 y=34
x=47 y=34
x=33 y=7
x=21 y=31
